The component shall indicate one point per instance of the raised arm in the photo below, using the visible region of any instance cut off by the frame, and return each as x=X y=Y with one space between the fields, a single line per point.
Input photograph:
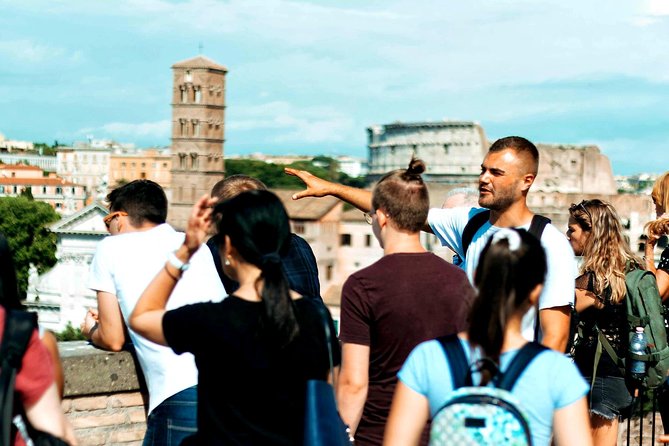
x=147 y=317
x=318 y=187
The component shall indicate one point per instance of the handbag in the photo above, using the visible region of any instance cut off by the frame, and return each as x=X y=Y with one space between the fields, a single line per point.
x=322 y=424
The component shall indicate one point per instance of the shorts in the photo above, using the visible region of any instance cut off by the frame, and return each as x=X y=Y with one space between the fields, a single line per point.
x=609 y=397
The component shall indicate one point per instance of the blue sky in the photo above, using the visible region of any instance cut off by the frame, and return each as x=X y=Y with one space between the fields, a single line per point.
x=310 y=77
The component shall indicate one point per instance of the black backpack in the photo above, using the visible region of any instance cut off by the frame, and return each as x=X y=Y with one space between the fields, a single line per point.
x=537 y=226
x=475 y=223
x=19 y=327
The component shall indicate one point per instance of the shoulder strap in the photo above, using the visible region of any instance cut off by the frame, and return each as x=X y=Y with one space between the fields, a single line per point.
x=538 y=224
x=19 y=326
x=527 y=353
x=473 y=225
x=457 y=360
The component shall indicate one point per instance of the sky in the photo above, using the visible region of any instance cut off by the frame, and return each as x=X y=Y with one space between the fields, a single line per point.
x=308 y=77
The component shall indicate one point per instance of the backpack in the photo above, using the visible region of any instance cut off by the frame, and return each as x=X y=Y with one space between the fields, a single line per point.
x=19 y=327
x=539 y=222
x=475 y=223
x=476 y=415
x=644 y=309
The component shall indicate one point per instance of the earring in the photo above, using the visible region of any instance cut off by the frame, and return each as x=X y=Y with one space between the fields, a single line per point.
x=227 y=262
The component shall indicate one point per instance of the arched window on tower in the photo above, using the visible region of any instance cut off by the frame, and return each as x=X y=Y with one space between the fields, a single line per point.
x=198 y=95
x=188 y=76
x=184 y=94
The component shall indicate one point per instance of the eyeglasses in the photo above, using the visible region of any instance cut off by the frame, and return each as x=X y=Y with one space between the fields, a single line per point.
x=369 y=216
x=109 y=218
x=582 y=207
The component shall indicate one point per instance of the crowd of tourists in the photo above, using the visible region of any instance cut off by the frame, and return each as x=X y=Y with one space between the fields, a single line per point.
x=230 y=330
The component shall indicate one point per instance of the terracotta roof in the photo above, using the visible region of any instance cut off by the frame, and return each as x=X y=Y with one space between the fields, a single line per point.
x=18 y=167
x=36 y=182
x=305 y=208
x=199 y=62
x=353 y=215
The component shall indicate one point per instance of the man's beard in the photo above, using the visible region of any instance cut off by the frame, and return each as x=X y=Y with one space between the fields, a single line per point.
x=497 y=202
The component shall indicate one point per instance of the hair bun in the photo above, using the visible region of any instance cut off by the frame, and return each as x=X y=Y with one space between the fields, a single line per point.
x=416 y=166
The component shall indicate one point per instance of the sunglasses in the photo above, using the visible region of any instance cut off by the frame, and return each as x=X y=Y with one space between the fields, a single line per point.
x=110 y=217
x=582 y=207
x=369 y=216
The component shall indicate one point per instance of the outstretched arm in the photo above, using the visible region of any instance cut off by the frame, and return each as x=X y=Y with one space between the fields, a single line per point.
x=147 y=317
x=318 y=187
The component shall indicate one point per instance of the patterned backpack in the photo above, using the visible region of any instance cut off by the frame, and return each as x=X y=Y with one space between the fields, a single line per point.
x=476 y=415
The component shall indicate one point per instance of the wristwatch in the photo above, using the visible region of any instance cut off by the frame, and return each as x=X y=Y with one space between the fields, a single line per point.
x=173 y=260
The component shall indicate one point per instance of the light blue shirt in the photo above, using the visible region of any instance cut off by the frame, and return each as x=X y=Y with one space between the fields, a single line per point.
x=550 y=382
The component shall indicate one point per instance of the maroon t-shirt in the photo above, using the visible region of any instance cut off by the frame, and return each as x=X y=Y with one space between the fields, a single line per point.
x=392 y=306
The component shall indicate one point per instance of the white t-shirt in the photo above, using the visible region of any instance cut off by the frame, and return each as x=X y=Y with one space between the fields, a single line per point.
x=449 y=224
x=124 y=265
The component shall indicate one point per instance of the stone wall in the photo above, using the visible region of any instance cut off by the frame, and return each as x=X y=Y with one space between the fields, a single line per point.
x=103 y=397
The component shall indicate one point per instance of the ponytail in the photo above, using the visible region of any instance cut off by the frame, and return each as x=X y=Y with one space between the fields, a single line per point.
x=512 y=264
x=279 y=315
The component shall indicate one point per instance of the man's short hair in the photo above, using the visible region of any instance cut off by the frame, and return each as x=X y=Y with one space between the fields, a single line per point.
x=143 y=200
x=522 y=147
x=403 y=196
x=235 y=185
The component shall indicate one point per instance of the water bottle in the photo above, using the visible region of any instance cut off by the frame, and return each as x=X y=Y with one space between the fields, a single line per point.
x=638 y=346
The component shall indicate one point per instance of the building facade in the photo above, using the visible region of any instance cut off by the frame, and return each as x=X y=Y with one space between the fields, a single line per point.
x=64 y=196
x=61 y=295
x=85 y=165
x=198 y=133
x=149 y=164
x=452 y=150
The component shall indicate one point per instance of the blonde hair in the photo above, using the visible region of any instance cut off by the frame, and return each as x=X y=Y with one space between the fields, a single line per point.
x=660 y=194
x=606 y=253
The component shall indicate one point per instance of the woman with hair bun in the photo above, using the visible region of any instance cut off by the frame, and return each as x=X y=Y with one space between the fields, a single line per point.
x=408 y=296
x=595 y=233
x=509 y=279
x=257 y=348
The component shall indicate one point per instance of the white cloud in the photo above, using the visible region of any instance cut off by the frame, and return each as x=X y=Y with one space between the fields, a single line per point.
x=657 y=7
x=26 y=51
x=282 y=122
x=156 y=129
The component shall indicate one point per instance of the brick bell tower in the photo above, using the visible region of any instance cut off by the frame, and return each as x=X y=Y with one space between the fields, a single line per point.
x=198 y=129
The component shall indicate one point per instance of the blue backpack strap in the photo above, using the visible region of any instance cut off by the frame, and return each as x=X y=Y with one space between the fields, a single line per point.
x=19 y=326
x=507 y=379
x=457 y=360
x=471 y=228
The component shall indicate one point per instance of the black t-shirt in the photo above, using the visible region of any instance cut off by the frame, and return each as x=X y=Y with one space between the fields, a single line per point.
x=249 y=392
x=664 y=261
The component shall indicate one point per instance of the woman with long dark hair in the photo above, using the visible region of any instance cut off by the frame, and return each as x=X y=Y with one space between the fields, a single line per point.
x=595 y=233
x=509 y=279
x=256 y=349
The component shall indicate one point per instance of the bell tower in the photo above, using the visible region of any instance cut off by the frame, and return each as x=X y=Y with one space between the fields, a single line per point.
x=198 y=129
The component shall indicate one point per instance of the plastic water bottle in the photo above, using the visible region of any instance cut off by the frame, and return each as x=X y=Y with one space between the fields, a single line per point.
x=638 y=346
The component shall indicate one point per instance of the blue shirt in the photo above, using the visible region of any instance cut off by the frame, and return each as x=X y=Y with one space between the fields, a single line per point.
x=299 y=266
x=550 y=382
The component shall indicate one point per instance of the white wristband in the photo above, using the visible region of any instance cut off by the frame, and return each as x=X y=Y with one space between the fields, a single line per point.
x=173 y=260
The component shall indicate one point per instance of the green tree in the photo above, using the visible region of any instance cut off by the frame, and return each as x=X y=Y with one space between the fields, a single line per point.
x=23 y=222
x=26 y=192
x=70 y=334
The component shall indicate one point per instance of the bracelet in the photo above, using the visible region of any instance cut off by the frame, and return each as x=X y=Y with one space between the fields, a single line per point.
x=92 y=330
x=175 y=278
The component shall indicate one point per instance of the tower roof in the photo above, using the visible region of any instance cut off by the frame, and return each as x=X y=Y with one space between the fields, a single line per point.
x=200 y=62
